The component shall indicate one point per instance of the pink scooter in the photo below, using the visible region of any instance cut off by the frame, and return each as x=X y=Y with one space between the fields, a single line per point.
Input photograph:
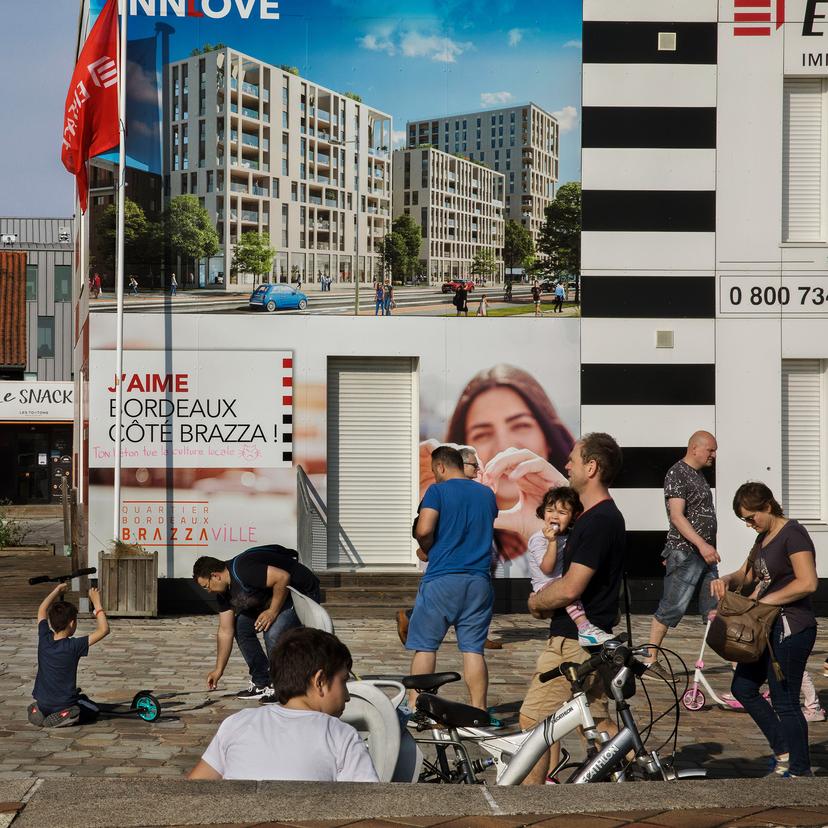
x=694 y=698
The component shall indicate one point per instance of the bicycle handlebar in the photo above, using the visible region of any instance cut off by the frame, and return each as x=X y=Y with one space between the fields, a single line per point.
x=620 y=657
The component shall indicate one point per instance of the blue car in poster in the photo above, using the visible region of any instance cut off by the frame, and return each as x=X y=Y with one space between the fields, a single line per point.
x=278 y=297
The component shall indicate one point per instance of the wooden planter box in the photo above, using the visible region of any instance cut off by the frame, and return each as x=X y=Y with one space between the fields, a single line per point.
x=129 y=584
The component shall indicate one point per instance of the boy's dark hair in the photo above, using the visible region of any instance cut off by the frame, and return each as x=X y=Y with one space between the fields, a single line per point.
x=605 y=452
x=205 y=566
x=300 y=655
x=561 y=494
x=448 y=456
x=61 y=615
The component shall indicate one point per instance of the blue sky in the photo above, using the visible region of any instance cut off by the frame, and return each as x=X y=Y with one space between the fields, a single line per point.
x=411 y=59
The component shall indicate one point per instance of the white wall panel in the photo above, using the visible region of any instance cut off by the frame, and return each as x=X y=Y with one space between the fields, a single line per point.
x=643 y=509
x=749 y=141
x=805 y=339
x=648 y=169
x=653 y=84
x=633 y=341
x=678 y=11
x=655 y=252
x=648 y=425
x=748 y=419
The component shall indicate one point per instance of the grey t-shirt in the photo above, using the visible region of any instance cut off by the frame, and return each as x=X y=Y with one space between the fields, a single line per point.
x=689 y=484
x=772 y=566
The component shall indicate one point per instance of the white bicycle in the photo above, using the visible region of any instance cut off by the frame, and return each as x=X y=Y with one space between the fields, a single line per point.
x=451 y=728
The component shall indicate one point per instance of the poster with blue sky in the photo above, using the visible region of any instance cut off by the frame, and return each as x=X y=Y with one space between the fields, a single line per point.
x=412 y=61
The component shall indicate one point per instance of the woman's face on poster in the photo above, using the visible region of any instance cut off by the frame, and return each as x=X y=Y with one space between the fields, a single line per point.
x=499 y=419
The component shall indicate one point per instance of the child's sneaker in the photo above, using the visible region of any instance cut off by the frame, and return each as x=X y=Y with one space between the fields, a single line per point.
x=592 y=636
x=269 y=696
x=36 y=718
x=63 y=718
x=815 y=714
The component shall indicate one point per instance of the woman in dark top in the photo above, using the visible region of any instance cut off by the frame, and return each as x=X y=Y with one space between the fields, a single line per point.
x=784 y=575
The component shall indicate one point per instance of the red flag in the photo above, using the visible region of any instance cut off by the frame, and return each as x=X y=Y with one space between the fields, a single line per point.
x=90 y=124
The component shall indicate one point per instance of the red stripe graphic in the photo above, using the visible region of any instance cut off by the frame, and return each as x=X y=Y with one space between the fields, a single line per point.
x=752 y=4
x=757 y=32
x=780 y=12
x=752 y=17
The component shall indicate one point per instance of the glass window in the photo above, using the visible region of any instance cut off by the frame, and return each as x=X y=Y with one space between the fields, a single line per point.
x=31 y=283
x=45 y=337
x=63 y=283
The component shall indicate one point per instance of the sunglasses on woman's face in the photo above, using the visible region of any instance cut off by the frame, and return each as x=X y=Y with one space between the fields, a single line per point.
x=749 y=519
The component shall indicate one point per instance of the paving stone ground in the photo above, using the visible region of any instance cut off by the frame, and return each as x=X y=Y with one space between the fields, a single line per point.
x=174 y=655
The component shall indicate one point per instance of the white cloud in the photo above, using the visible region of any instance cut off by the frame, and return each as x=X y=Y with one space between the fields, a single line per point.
x=495 y=98
x=441 y=49
x=515 y=36
x=572 y=44
x=567 y=118
x=379 y=41
x=397 y=138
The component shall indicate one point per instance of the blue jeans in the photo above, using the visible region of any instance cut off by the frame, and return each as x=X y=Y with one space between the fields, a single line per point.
x=248 y=640
x=781 y=721
x=379 y=308
x=684 y=571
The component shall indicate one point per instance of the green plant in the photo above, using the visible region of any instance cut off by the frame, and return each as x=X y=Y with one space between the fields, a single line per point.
x=12 y=531
x=122 y=549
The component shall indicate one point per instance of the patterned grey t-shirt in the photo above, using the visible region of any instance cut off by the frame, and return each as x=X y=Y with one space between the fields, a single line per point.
x=690 y=484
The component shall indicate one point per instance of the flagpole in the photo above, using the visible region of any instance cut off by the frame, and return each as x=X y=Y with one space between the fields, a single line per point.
x=119 y=268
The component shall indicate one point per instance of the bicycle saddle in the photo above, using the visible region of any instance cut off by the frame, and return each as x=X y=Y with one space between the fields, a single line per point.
x=452 y=714
x=428 y=682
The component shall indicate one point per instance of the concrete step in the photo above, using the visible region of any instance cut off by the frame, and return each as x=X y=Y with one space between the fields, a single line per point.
x=366 y=596
x=373 y=580
x=379 y=611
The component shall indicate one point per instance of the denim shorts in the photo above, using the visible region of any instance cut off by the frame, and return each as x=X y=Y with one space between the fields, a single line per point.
x=461 y=601
x=685 y=570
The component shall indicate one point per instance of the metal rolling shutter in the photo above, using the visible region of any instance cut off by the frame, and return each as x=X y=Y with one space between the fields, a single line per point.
x=802 y=450
x=372 y=456
x=803 y=159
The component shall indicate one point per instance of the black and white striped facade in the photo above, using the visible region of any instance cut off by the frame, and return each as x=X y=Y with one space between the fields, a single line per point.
x=683 y=212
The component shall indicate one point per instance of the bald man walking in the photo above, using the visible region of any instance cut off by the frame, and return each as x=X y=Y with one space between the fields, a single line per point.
x=689 y=552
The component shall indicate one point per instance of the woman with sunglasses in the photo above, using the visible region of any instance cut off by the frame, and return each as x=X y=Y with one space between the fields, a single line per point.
x=784 y=575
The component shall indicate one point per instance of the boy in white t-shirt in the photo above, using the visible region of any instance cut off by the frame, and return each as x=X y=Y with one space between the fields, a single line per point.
x=559 y=508
x=302 y=737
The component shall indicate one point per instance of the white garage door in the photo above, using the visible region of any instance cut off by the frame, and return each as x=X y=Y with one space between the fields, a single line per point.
x=372 y=456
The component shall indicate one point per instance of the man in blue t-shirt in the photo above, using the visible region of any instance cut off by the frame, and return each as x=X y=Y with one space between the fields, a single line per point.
x=455 y=530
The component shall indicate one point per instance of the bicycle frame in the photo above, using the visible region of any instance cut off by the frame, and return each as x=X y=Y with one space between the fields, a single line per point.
x=574 y=714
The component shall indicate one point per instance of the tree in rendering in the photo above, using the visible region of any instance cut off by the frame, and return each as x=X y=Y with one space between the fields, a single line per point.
x=393 y=255
x=560 y=238
x=411 y=238
x=142 y=249
x=188 y=230
x=518 y=247
x=254 y=255
x=484 y=263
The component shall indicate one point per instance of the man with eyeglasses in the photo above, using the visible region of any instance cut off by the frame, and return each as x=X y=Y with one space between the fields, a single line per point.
x=689 y=552
x=253 y=597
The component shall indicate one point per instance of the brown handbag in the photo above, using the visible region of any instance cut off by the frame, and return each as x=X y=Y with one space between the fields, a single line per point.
x=740 y=631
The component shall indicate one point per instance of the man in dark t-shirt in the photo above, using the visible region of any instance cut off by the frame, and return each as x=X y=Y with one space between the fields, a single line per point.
x=252 y=594
x=593 y=563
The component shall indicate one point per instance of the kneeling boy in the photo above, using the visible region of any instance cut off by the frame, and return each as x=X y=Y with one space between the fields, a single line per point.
x=301 y=738
x=58 y=701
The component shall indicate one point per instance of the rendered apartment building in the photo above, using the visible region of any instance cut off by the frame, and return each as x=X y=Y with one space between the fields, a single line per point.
x=520 y=141
x=265 y=150
x=458 y=205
